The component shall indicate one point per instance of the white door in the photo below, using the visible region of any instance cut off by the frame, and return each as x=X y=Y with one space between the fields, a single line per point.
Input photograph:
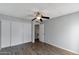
x=5 y=33
x=27 y=32
x=17 y=33
x=41 y=32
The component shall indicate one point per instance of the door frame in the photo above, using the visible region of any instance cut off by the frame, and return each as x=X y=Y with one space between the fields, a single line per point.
x=33 y=23
x=41 y=32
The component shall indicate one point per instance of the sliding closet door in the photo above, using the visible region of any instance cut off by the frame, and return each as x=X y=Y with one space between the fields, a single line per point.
x=5 y=33
x=25 y=27
x=27 y=32
x=17 y=33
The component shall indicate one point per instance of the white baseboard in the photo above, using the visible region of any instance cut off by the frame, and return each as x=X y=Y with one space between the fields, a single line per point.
x=15 y=45
x=63 y=48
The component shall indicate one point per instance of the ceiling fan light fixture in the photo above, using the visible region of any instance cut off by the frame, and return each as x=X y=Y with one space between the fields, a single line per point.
x=39 y=17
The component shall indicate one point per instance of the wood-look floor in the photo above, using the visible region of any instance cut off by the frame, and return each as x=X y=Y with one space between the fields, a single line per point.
x=37 y=48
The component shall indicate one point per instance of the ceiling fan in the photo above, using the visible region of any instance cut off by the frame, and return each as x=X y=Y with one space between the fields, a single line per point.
x=39 y=17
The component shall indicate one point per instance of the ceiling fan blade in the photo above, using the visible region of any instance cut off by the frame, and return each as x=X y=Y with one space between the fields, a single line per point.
x=33 y=19
x=45 y=17
x=41 y=20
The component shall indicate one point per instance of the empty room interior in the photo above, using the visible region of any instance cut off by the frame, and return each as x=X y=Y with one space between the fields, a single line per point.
x=39 y=28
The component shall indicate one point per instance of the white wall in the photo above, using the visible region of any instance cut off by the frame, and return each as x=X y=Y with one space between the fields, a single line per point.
x=63 y=31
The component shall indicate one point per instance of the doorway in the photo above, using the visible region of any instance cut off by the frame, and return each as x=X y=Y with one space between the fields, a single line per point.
x=37 y=32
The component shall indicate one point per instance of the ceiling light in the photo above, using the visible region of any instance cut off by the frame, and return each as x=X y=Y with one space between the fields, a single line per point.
x=38 y=17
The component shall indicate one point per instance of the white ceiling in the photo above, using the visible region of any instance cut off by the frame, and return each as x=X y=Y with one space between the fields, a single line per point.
x=23 y=9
